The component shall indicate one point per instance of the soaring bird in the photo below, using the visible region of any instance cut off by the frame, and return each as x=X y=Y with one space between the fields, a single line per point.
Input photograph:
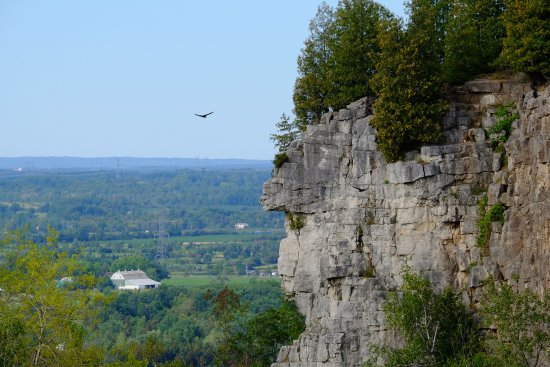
x=204 y=116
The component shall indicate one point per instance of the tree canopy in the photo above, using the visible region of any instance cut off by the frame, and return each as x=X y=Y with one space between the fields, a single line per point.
x=360 y=49
x=336 y=64
x=43 y=305
x=410 y=100
x=527 y=42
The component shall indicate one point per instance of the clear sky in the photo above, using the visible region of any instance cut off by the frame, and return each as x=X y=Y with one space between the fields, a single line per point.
x=101 y=78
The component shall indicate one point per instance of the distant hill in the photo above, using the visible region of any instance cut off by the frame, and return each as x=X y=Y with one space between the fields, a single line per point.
x=33 y=163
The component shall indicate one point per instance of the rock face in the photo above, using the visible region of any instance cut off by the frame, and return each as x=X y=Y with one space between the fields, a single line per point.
x=363 y=218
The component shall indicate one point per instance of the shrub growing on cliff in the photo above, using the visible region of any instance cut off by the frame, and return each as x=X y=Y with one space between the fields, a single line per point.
x=288 y=132
x=436 y=327
x=522 y=322
x=501 y=131
x=295 y=221
x=280 y=159
x=487 y=217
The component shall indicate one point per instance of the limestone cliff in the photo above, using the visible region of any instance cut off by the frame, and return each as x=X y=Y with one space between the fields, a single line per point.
x=364 y=218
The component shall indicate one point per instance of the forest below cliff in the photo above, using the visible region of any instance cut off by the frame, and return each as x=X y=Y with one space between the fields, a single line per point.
x=177 y=226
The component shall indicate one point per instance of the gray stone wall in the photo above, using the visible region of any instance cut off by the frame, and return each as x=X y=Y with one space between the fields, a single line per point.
x=364 y=218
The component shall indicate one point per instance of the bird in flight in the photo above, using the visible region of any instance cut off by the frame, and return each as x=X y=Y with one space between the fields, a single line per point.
x=204 y=116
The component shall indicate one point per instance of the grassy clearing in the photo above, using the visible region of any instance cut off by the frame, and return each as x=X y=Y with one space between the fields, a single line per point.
x=234 y=281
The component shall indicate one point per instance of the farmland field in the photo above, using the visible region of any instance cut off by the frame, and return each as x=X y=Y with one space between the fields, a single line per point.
x=233 y=281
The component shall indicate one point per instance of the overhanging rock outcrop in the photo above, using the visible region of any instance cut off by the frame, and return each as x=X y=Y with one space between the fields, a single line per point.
x=364 y=218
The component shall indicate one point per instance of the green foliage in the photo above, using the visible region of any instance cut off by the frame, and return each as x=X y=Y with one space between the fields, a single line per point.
x=494 y=214
x=257 y=341
x=522 y=322
x=179 y=326
x=314 y=64
x=473 y=39
x=526 y=45
x=280 y=159
x=295 y=221
x=410 y=101
x=359 y=49
x=92 y=206
x=352 y=46
x=436 y=326
x=439 y=331
x=12 y=338
x=502 y=130
x=335 y=65
x=41 y=321
x=359 y=232
x=288 y=132
x=478 y=190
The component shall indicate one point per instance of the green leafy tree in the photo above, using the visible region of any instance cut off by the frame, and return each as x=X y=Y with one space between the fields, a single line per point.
x=410 y=101
x=336 y=63
x=352 y=48
x=527 y=42
x=436 y=327
x=522 y=322
x=44 y=302
x=12 y=339
x=257 y=342
x=314 y=65
x=427 y=26
x=473 y=39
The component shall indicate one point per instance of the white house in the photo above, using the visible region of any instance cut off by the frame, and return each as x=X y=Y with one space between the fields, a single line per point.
x=132 y=280
x=240 y=225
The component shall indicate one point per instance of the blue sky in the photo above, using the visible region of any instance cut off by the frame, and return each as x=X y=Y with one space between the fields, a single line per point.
x=124 y=78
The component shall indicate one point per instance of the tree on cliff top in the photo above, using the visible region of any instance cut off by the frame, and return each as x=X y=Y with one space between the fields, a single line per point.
x=336 y=65
x=288 y=132
x=410 y=101
x=473 y=39
x=359 y=49
x=527 y=41
x=314 y=64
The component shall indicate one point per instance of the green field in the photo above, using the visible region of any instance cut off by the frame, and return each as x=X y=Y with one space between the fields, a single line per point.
x=249 y=235
x=233 y=281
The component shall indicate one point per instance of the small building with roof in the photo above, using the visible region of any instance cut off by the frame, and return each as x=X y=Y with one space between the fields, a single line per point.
x=132 y=280
x=240 y=225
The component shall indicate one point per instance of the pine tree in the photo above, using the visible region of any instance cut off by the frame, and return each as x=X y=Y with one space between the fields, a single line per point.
x=527 y=41
x=353 y=46
x=314 y=65
x=336 y=63
x=473 y=39
x=288 y=132
x=410 y=101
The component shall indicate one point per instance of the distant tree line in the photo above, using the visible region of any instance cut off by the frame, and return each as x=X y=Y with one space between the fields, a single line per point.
x=98 y=205
x=360 y=49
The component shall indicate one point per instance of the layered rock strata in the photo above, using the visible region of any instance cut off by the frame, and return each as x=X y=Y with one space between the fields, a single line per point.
x=363 y=219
